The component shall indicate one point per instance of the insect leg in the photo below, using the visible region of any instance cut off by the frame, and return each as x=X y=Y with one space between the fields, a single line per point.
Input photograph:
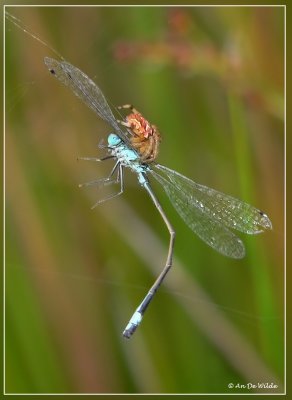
x=130 y=107
x=120 y=178
x=103 y=181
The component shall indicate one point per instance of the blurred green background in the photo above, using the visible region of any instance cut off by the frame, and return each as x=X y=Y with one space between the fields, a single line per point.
x=212 y=79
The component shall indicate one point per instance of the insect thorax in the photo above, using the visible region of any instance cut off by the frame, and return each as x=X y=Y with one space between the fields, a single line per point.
x=127 y=157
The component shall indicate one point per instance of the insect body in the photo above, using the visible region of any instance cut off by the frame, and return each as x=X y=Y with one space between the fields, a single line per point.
x=210 y=214
x=146 y=137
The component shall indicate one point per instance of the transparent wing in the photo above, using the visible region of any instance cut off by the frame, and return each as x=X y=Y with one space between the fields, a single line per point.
x=84 y=88
x=210 y=213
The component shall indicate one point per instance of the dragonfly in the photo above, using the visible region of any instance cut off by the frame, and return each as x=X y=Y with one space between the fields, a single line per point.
x=134 y=144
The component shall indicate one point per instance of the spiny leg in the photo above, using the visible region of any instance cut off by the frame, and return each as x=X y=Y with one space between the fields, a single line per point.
x=120 y=178
x=126 y=124
x=130 y=107
x=138 y=314
x=95 y=158
x=103 y=181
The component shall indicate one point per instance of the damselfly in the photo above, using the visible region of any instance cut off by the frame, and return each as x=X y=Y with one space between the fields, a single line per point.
x=134 y=144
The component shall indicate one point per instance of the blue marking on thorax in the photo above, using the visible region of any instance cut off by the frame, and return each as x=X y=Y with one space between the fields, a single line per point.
x=127 y=157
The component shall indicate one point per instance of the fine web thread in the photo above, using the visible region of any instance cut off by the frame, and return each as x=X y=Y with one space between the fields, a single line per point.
x=208 y=212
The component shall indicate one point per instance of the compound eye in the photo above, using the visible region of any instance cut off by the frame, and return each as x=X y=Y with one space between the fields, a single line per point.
x=113 y=140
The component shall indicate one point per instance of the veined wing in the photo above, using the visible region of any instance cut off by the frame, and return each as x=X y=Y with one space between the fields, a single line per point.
x=225 y=209
x=84 y=88
x=210 y=213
